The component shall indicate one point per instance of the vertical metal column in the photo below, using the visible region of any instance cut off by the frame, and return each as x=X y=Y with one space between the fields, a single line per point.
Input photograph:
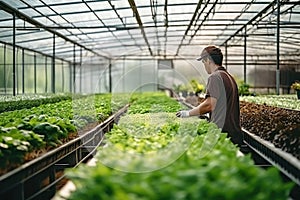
x=23 y=72
x=109 y=76
x=46 y=75
x=226 y=61
x=63 y=76
x=277 y=48
x=123 y=74
x=74 y=66
x=4 y=66
x=245 y=55
x=53 y=67
x=14 y=54
x=70 y=76
x=80 y=72
x=34 y=71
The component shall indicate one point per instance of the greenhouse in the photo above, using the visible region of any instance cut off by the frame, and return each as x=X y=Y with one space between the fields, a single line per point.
x=149 y=99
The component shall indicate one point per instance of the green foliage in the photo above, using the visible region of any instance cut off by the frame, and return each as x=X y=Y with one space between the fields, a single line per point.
x=196 y=86
x=153 y=102
x=243 y=88
x=282 y=101
x=47 y=124
x=9 y=103
x=296 y=85
x=15 y=143
x=159 y=156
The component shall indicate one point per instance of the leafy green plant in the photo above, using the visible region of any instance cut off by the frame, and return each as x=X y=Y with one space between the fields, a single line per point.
x=15 y=143
x=24 y=130
x=152 y=102
x=197 y=87
x=282 y=101
x=243 y=88
x=191 y=176
x=135 y=163
x=296 y=85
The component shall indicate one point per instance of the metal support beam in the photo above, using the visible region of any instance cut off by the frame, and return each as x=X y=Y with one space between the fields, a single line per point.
x=245 y=56
x=278 y=49
x=34 y=66
x=80 y=73
x=4 y=66
x=70 y=75
x=250 y=21
x=7 y=8
x=139 y=21
x=74 y=68
x=110 y=76
x=23 y=71
x=226 y=54
x=193 y=20
x=46 y=75
x=14 y=55
x=53 y=66
x=63 y=76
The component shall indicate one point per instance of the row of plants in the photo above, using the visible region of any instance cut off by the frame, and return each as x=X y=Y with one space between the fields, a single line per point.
x=193 y=86
x=10 y=103
x=156 y=155
x=283 y=101
x=27 y=130
x=268 y=118
x=152 y=102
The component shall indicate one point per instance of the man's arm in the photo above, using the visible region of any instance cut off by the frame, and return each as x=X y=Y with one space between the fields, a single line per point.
x=206 y=106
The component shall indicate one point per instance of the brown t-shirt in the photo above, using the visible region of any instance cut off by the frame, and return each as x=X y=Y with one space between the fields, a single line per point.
x=222 y=86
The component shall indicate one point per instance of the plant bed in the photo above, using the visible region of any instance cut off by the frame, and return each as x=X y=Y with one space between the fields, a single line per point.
x=37 y=178
x=27 y=134
x=159 y=156
x=156 y=155
x=279 y=126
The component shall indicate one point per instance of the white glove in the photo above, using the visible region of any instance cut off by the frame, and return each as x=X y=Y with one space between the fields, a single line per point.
x=183 y=113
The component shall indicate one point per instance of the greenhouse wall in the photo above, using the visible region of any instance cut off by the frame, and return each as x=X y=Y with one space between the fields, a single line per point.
x=33 y=72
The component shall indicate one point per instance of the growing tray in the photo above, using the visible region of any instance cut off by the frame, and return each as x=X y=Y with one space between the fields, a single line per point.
x=37 y=179
x=285 y=162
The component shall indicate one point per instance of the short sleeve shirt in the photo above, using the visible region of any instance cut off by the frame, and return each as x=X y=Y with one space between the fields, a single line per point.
x=222 y=86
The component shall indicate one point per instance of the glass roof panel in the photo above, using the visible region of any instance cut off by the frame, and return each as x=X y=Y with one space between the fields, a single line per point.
x=115 y=26
x=68 y=8
x=80 y=17
x=103 y=5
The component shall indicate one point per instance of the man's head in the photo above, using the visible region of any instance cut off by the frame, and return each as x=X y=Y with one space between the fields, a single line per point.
x=212 y=53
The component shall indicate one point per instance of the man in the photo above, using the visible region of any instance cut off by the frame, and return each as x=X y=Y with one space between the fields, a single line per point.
x=222 y=99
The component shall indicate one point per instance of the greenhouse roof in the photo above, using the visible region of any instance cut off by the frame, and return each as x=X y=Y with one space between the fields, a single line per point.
x=152 y=28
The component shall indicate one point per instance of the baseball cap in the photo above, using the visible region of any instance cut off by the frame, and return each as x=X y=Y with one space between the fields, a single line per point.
x=209 y=51
x=202 y=57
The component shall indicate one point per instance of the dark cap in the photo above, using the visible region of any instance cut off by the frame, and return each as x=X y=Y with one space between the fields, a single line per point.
x=202 y=56
x=210 y=51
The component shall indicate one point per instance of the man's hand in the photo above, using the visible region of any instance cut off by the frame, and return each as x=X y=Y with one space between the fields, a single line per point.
x=183 y=113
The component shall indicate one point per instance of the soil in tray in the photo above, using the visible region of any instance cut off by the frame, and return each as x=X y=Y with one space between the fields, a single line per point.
x=279 y=126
